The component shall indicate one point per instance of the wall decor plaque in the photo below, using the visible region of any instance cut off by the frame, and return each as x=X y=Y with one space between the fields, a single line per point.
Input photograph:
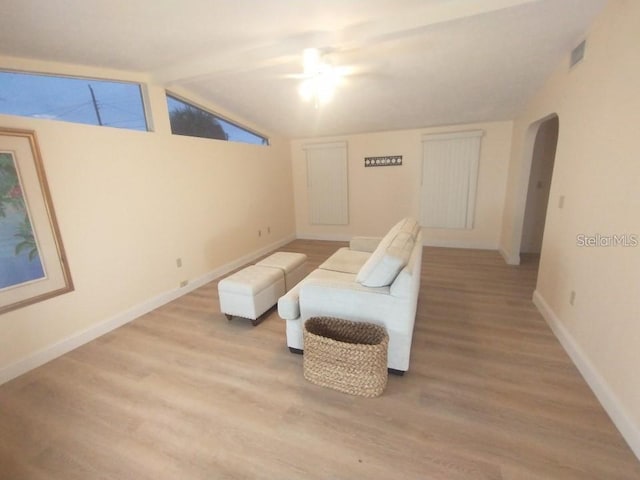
x=388 y=161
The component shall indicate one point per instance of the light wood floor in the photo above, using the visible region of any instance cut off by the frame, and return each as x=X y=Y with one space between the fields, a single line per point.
x=182 y=393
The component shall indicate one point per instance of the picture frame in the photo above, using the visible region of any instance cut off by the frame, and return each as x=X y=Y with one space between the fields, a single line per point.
x=33 y=264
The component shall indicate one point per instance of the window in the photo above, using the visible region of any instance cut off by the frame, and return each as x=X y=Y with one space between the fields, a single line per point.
x=73 y=99
x=327 y=183
x=187 y=119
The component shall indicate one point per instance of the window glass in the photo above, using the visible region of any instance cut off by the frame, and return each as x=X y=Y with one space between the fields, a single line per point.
x=72 y=99
x=187 y=119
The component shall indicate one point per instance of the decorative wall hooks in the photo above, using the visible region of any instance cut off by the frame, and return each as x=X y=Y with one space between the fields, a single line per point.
x=388 y=161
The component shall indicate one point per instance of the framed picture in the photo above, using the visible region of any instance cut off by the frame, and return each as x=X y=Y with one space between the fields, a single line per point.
x=33 y=266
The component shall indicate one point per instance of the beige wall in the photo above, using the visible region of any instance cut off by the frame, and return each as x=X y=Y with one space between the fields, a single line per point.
x=129 y=203
x=597 y=170
x=380 y=196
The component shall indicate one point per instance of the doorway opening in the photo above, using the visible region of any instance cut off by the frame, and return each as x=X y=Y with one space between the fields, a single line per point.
x=539 y=188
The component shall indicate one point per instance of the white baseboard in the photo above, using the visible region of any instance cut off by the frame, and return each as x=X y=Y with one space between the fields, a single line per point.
x=616 y=411
x=330 y=237
x=475 y=245
x=228 y=267
x=508 y=257
x=341 y=237
x=78 y=339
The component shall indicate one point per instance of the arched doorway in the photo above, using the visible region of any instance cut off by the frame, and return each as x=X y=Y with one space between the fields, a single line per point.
x=531 y=159
x=540 y=173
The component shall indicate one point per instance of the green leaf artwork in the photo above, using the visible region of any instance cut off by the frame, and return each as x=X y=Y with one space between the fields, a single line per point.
x=19 y=257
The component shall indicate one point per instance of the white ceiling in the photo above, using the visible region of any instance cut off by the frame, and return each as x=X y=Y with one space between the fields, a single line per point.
x=420 y=62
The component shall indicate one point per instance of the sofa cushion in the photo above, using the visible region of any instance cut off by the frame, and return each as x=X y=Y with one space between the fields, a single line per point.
x=346 y=260
x=387 y=260
x=289 y=304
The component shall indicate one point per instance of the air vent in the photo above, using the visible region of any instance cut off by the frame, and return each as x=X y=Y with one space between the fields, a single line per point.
x=577 y=54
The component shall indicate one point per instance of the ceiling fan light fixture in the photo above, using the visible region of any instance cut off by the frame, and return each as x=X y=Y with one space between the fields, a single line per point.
x=311 y=60
x=318 y=89
x=322 y=78
x=306 y=89
x=324 y=94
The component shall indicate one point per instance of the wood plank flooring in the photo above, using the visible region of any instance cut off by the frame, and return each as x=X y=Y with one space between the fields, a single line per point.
x=182 y=393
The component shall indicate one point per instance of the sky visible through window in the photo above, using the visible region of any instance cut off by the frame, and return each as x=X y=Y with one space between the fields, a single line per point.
x=116 y=104
x=93 y=102
x=234 y=132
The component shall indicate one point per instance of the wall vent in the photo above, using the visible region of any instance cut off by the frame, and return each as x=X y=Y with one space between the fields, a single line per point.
x=577 y=54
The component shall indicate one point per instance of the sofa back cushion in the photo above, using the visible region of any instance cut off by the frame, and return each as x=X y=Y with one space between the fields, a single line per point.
x=410 y=225
x=388 y=259
x=407 y=283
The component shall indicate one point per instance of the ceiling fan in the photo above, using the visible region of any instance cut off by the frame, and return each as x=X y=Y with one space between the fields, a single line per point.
x=319 y=78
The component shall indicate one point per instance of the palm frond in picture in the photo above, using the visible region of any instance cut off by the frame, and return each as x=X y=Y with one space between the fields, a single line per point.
x=19 y=257
x=27 y=240
x=9 y=185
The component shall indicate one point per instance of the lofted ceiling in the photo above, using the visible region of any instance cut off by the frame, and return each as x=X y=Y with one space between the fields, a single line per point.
x=415 y=63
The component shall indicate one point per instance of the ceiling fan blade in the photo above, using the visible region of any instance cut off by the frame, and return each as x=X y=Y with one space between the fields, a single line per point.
x=365 y=36
x=294 y=76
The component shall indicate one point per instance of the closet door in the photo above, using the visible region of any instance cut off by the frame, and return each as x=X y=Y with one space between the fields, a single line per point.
x=449 y=179
x=327 y=183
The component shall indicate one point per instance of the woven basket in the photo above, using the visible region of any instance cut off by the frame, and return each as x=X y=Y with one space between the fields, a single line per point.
x=347 y=356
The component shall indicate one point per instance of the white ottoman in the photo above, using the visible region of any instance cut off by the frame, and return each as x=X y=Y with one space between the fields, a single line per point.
x=250 y=292
x=292 y=265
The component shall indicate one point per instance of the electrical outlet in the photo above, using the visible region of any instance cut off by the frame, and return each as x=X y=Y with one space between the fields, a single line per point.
x=561 y=201
x=259 y=233
x=178 y=262
x=269 y=230
x=572 y=298
x=184 y=283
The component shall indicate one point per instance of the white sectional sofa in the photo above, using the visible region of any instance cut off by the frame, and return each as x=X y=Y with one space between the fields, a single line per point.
x=373 y=280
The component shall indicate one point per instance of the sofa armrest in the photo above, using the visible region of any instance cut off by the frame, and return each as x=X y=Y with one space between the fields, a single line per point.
x=289 y=305
x=352 y=301
x=364 y=244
